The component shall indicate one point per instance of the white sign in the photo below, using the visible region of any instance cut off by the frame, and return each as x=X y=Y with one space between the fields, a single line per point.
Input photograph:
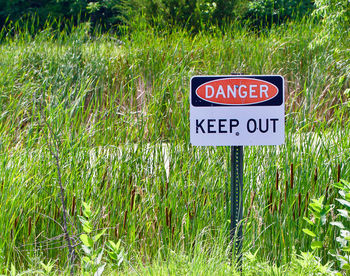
x=237 y=110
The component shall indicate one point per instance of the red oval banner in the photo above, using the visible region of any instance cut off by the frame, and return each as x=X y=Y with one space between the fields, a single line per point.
x=237 y=91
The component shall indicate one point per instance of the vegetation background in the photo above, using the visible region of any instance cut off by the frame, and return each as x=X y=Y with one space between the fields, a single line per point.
x=94 y=137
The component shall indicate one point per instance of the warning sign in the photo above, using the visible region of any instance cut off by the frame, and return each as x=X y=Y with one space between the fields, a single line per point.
x=237 y=110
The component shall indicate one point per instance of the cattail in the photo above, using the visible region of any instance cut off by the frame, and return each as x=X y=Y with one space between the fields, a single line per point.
x=190 y=215
x=205 y=199
x=314 y=180
x=172 y=231
x=251 y=203
x=81 y=211
x=194 y=207
x=280 y=204
x=294 y=211
x=161 y=190
x=16 y=222
x=338 y=175
x=29 y=226
x=291 y=176
x=276 y=180
x=125 y=218
x=170 y=213
x=270 y=201
x=73 y=206
x=326 y=192
x=306 y=204
x=166 y=189
x=140 y=237
x=132 y=199
x=130 y=181
x=116 y=231
x=286 y=191
x=166 y=217
x=315 y=176
x=2 y=186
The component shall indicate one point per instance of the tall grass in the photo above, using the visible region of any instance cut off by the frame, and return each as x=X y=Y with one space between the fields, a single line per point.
x=119 y=106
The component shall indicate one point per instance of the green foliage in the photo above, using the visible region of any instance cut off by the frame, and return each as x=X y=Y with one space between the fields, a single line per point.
x=48 y=268
x=323 y=225
x=191 y=14
x=335 y=15
x=342 y=254
x=318 y=223
x=92 y=260
x=102 y=12
x=267 y=12
x=116 y=254
x=214 y=261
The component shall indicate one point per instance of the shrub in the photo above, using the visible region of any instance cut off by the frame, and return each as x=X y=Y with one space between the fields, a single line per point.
x=268 y=12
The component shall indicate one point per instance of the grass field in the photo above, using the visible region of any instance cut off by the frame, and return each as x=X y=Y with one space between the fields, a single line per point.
x=117 y=108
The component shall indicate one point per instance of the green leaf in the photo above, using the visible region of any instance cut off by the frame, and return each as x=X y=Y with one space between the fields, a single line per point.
x=86 y=259
x=112 y=255
x=337 y=224
x=100 y=270
x=99 y=257
x=86 y=249
x=120 y=258
x=344 y=182
x=332 y=252
x=87 y=241
x=87 y=228
x=87 y=210
x=316 y=207
x=309 y=232
x=112 y=244
x=346 y=266
x=347 y=196
x=339 y=185
x=343 y=202
x=308 y=221
x=98 y=236
x=316 y=245
x=325 y=210
x=343 y=213
x=345 y=233
x=86 y=206
x=13 y=270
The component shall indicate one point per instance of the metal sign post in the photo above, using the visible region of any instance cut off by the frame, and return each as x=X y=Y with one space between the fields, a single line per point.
x=237 y=202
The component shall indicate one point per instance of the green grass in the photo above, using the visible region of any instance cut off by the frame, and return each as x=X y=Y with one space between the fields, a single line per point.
x=119 y=107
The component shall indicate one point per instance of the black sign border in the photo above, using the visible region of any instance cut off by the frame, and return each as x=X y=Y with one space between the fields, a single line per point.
x=277 y=80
